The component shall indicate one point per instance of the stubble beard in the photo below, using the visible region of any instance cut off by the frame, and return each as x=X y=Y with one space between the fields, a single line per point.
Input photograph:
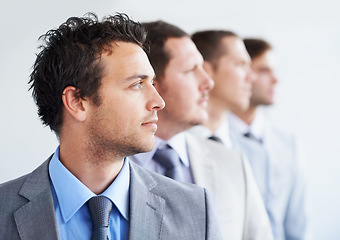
x=103 y=149
x=105 y=146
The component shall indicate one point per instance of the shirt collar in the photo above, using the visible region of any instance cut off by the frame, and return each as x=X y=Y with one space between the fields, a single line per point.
x=72 y=194
x=256 y=127
x=177 y=142
x=118 y=191
x=201 y=131
x=222 y=132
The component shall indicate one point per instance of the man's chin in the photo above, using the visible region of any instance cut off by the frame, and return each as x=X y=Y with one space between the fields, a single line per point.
x=202 y=119
x=147 y=147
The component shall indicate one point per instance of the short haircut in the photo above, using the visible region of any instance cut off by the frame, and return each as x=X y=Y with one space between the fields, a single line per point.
x=71 y=56
x=209 y=44
x=158 y=33
x=256 y=47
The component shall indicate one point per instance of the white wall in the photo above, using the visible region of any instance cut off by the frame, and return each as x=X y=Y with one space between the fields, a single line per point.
x=305 y=34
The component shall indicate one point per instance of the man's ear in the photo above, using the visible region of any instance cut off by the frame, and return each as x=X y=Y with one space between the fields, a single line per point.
x=74 y=105
x=209 y=68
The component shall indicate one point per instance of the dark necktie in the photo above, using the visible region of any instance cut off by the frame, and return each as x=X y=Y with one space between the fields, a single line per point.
x=100 y=208
x=169 y=159
x=215 y=138
x=251 y=136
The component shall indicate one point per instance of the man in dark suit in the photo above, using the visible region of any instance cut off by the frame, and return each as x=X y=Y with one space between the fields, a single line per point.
x=93 y=85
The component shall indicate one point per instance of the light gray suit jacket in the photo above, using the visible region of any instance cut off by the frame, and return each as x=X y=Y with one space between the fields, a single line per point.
x=159 y=208
x=227 y=176
x=276 y=165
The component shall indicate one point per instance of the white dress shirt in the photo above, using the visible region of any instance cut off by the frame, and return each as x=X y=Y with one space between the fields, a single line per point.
x=256 y=128
x=222 y=132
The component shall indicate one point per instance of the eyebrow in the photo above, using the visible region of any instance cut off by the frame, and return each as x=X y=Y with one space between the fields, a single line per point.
x=136 y=76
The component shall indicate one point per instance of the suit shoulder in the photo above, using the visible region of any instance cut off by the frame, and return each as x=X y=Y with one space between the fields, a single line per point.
x=164 y=185
x=12 y=186
x=9 y=191
x=10 y=199
x=214 y=146
x=280 y=134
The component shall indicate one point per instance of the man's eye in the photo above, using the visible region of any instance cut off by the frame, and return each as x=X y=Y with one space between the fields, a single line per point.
x=137 y=85
x=190 y=70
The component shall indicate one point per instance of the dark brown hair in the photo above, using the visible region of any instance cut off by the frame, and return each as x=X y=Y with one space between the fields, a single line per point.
x=256 y=47
x=209 y=44
x=158 y=33
x=70 y=56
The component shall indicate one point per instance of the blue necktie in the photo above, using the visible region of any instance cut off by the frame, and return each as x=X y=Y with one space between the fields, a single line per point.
x=100 y=208
x=169 y=159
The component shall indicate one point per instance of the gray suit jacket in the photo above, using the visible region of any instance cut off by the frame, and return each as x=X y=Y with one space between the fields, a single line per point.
x=159 y=208
x=227 y=176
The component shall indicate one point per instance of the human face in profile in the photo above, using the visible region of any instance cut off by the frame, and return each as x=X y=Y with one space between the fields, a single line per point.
x=232 y=75
x=184 y=86
x=126 y=119
x=264 y=86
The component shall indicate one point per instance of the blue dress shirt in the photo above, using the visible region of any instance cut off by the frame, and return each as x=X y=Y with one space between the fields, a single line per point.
x=70 y=197
x=280 y=175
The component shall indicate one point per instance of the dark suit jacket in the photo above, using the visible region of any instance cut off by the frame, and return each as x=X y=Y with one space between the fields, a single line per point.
x=160 y=208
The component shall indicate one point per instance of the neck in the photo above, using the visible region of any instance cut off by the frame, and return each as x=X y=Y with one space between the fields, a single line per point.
x=96 y=169
x=168 y=127
x=247 y=116
x=166 y=133
x=216 y=114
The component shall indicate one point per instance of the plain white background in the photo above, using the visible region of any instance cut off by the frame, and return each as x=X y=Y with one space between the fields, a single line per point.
x=306 y=38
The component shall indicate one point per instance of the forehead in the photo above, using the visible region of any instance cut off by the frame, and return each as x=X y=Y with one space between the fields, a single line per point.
x=267 y=58
x=183 y=51
x=126 y=60
x=234 y=47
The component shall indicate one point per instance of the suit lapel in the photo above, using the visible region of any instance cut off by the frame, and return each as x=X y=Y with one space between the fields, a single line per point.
x=36 y=219
x=200 y=162
x=146 y=208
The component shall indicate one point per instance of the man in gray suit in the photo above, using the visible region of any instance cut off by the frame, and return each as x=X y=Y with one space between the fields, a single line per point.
x=184 y=85
x=273 y=154
x=93 y=85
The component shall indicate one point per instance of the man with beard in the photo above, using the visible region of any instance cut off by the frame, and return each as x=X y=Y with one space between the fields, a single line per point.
x=184 y=85
x=93 y=85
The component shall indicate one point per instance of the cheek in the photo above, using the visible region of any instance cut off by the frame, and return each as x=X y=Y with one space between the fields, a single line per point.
x=235 y=78
x=182 y=99
x=225 y=73
x=262 y=82
x=124 y=107
x=181 y=89
x=257 y=89
x=235 y=85
x=269 y=83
